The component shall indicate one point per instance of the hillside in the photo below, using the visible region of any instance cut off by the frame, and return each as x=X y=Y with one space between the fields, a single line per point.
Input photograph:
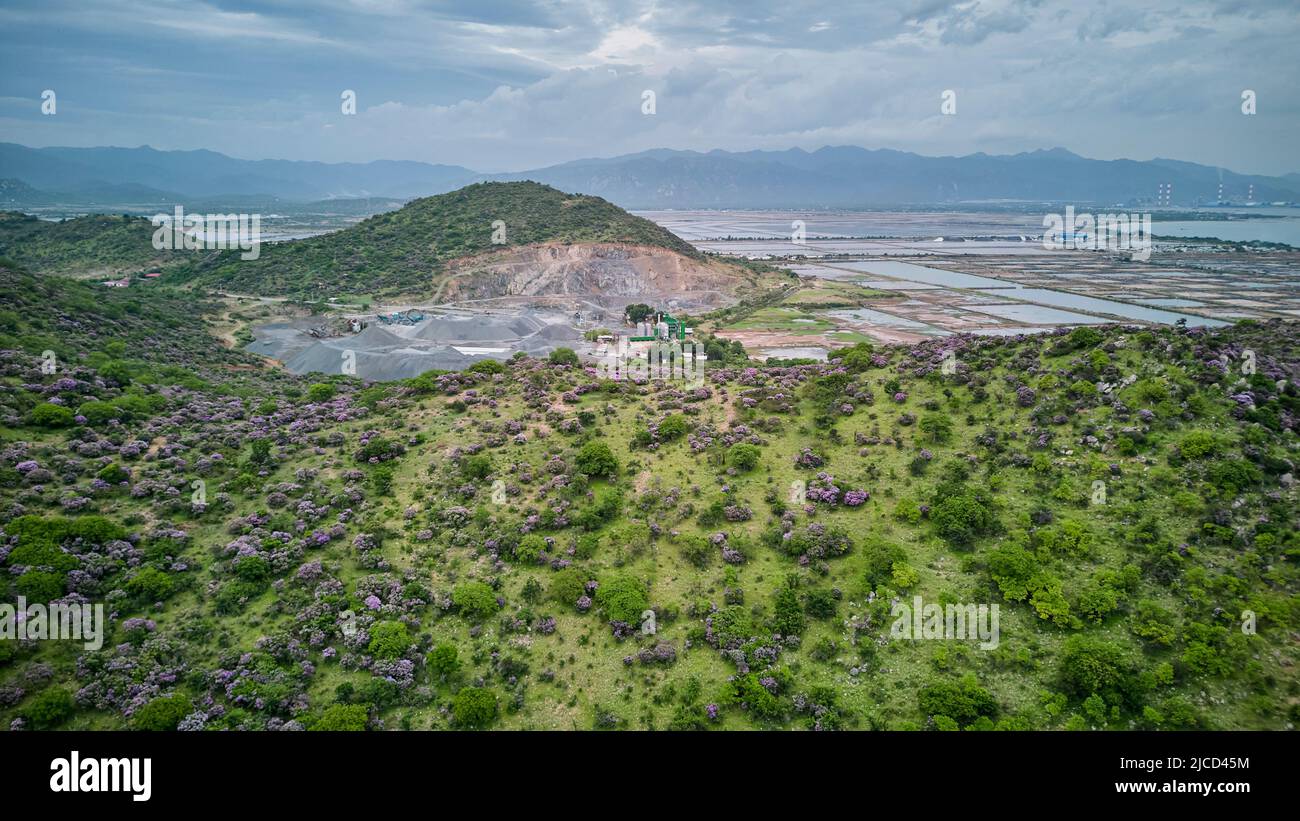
x=95 y=245
x=409 y=250
x=480 y=549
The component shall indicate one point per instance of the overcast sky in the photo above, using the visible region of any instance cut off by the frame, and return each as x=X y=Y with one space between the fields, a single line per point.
x=501 y=85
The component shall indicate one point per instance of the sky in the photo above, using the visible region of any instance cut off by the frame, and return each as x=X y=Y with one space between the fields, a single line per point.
x=506 y=85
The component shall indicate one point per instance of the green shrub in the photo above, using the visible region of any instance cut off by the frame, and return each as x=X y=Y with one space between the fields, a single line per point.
x=623 y=598
x=475 y=600
x=389 y=640
x=881 y=556
x=320 y=392
x=564 y=356
x=474 y=707
x=788 y=619
x=732 y=624
x=961 y=517
x=962 y=701
x=51 y=708
x=342 y=718
x=151 y=585
x=477 y=467
x=162 y=714
x=252 y=568
x=47 y=415
x=530 y=548
x=596 y=459
x=443 y=661
x=567 y=586
x=673 y=426
x=937 y=427
x=1198 y=444
x=744 y=456
x=820 y=603
x=39 y=586
x=114 y=474
x=1094 y=665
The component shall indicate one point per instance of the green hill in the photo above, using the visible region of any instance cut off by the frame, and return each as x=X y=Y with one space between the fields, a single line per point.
x=481 y=548
x=98 y=244
x=406 y=250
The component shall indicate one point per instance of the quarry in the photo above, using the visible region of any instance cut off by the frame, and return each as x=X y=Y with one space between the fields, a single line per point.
x=444 y=338
x=531 y=300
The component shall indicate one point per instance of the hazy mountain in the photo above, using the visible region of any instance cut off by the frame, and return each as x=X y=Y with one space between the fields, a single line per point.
x=847 y=176
x=16 y=192
x=209 y=174
x=830 y=177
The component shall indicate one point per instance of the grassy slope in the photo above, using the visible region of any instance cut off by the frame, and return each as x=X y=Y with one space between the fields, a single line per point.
x=100 y=243
x=1230 y=573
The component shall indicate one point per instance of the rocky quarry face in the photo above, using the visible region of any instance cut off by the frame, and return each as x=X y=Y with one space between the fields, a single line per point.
x=617 y=271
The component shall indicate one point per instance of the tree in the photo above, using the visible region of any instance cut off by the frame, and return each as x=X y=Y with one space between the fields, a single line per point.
x=1094 y=665
x=530 y=548
x=261 y=451
x=389 y=640
x=162 y=714
x=744 y=456
x=150 y=584
x=623 y=599
x=788 y=619
x=40 y=585
x=443 y=661
x=114 y=474
x=343 y=718
x=475 y=600
x=673 y=426
x=637 y=312
x=474 y=707
x=881 y=556
x=320 y=392
x=51 y=708
x=937 y=427
x=962 y=701
x=488 y=366
x=564 y=356
x=596 y=459
x=961 y=517
x=48 y=415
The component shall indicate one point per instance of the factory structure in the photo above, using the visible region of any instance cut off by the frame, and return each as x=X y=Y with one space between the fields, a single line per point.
x=660 y=348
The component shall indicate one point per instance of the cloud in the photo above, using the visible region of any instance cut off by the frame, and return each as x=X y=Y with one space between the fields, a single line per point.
x=505 y=85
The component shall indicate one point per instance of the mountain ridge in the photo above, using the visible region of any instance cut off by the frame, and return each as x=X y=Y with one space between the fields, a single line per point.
x=832 y=176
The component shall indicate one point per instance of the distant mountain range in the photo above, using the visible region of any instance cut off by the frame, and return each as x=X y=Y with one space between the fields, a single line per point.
x=133 y=174
x=830 y=177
